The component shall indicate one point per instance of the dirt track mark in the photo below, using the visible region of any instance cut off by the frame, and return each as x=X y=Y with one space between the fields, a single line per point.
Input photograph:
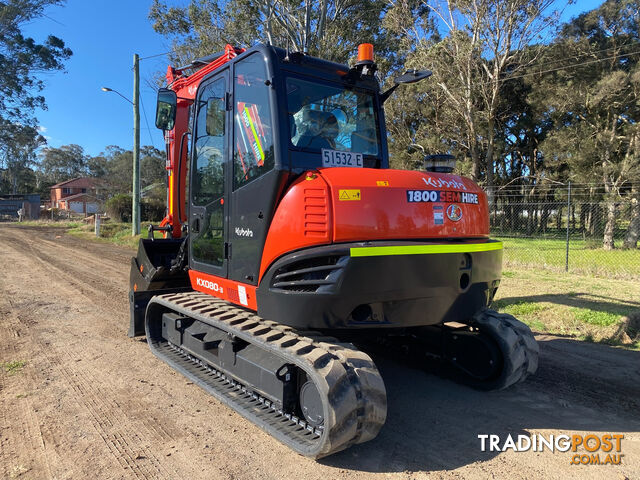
x=125 y=444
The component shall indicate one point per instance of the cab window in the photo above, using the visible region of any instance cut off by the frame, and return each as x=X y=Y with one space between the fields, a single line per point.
x=253 y=136
x=208 y=168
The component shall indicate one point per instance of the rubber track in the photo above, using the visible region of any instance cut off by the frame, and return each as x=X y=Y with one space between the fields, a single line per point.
x=353 y=391
x=518 y=345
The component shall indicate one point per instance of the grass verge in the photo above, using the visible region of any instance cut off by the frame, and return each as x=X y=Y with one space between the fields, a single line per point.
x=584 y=257
x=579 y=306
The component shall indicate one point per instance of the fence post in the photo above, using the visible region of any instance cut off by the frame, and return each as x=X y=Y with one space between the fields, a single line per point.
x=97 y=224
x=566 y=265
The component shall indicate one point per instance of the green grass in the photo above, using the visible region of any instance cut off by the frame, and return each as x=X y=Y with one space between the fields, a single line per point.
x=521 y=308
x=603 y=319
x=584 y=307
x=51 y=223
x=13 y=367
x=585 y=256
x=112 y=232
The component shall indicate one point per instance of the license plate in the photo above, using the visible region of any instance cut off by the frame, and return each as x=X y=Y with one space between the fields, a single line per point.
x=335 y=158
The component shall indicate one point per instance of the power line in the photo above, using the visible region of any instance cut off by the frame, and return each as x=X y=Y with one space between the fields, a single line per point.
x=154 y=56
x=594 y=52
x=566 y=67
x=146 y=120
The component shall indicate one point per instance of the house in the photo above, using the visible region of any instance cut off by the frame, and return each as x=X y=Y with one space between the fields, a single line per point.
x=77 y=195
x=10 y=204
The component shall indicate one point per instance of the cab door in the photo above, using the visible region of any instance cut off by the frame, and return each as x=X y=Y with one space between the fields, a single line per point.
x=208 y=190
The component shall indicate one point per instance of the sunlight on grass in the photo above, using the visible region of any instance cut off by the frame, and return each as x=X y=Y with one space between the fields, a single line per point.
x=584 y=257
x=523 y=308
x=592 y=317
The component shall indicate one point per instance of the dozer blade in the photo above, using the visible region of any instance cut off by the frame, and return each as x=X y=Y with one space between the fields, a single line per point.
x=313 y=394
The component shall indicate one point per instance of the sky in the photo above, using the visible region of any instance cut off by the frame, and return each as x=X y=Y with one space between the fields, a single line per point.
x=104 y=35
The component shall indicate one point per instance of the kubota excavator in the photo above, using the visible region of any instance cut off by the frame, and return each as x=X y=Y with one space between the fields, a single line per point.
x=289 y=240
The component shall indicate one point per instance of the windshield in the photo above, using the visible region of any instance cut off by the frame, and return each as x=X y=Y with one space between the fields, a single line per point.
x=331 y=117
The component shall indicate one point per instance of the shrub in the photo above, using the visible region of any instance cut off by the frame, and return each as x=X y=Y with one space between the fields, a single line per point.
x=152 y=210
x=119 y=207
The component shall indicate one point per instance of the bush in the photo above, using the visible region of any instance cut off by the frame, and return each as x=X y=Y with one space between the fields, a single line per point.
x=119 y=207
x=152 y=210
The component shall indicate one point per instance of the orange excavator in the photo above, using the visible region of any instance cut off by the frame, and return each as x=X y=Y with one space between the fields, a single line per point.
x=292 y=251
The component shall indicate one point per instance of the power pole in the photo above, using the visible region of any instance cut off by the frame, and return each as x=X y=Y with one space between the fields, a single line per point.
x=135 y=213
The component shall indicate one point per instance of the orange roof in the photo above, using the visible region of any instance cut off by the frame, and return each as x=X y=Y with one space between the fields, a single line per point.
x=82 y=182
x=77 y=196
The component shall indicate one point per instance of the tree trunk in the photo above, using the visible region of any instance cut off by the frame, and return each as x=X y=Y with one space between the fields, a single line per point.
x=489 y=165
x=475 y=159
x=610 y=225
x=633 y=232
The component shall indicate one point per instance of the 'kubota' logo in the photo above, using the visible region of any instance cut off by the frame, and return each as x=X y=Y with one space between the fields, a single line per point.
x=244 y=232
x=454 y=212
x=201 y=282
x=442 y=183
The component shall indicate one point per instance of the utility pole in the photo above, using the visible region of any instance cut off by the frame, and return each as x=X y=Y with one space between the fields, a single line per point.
x=135 y=213
x=566 y=264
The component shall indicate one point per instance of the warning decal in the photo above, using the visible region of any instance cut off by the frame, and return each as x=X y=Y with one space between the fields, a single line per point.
x=348 y=195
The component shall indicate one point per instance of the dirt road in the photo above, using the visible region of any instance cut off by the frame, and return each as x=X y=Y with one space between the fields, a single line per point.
x=92 y=403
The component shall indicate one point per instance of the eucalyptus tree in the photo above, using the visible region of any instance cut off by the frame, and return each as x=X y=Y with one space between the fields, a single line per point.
x=595 y=104
x=23 y=61
x=331 y=29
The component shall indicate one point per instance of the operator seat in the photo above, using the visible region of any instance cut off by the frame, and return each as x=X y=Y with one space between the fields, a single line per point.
x=315 y=123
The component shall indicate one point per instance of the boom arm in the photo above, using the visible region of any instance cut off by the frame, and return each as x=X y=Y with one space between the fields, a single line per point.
x=176 y=139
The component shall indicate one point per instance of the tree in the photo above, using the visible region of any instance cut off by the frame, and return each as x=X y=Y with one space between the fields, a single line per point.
x=152 y=168
x=486 y=43
x=64 y=163
x=331 y=29
x=18 y=144
x=22 y=61
x=596 y=106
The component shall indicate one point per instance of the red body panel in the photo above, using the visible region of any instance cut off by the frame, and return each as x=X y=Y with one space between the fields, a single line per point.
x=336 y=205
x=302 y=219
x=234 y=292
x=383 y=212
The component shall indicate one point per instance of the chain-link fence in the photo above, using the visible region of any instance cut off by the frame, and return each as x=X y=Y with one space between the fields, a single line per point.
x=574 y=228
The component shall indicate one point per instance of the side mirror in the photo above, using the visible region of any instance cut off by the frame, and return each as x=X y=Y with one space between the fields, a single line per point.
x=215 y=117
x=410 y=76
x=166 y=109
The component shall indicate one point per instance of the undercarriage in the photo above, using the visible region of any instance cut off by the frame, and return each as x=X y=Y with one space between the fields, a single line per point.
x=311 y=391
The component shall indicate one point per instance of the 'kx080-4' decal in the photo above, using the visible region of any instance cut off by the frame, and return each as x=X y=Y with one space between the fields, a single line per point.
x=441 y=196
x=234 y=292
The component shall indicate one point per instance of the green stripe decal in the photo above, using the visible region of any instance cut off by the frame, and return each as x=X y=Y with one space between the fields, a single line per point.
x=425 y=249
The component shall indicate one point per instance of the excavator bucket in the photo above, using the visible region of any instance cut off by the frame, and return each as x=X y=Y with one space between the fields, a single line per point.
x=152 y=274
